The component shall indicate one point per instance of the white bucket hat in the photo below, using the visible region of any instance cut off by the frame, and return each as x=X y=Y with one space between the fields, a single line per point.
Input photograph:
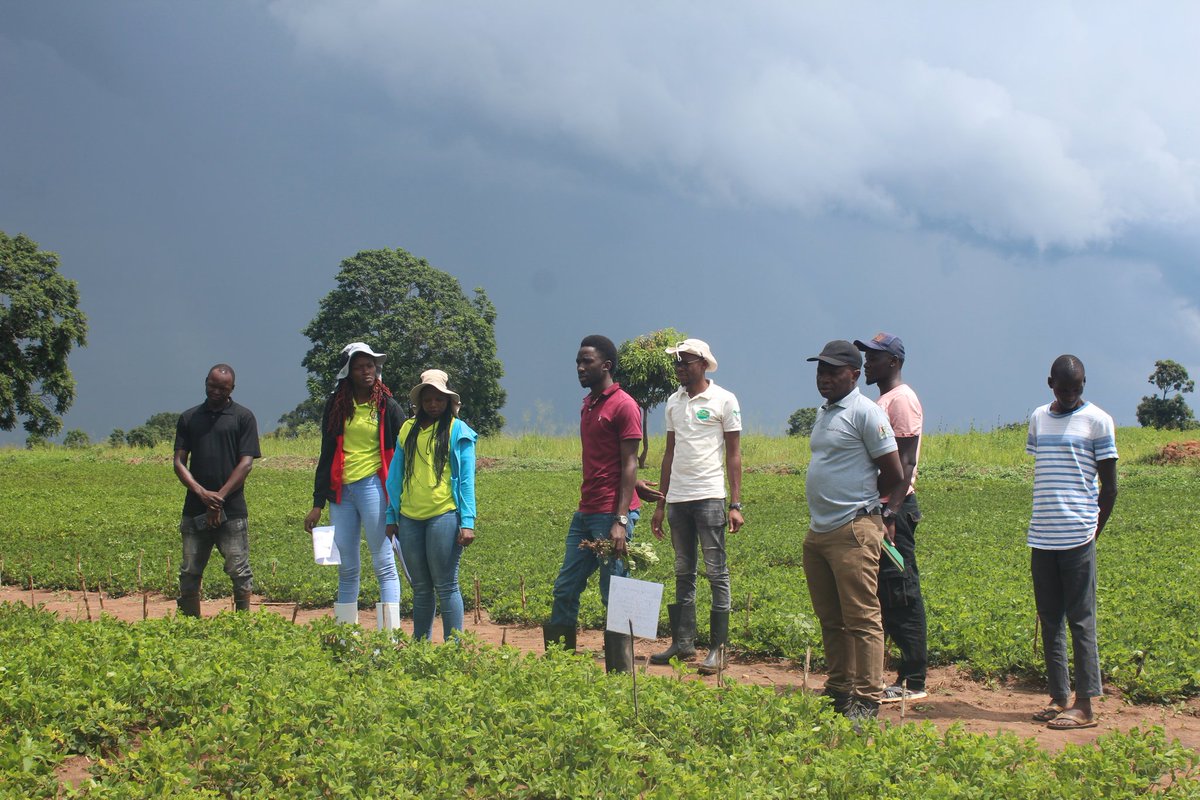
x=360 y=347
x=437 y=379
x=696 y=347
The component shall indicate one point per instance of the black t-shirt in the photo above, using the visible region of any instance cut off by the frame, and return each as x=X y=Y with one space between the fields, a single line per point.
x=216 y=441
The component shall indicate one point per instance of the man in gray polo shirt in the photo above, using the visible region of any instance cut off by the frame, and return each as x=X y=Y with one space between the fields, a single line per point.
x=854 y=460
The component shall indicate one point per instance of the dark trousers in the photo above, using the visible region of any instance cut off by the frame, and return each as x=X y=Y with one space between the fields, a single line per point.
x=231 y=539
x=1064 y=588
x=901 y=602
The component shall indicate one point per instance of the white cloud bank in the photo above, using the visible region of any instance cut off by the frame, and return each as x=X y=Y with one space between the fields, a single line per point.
x=1058 y=125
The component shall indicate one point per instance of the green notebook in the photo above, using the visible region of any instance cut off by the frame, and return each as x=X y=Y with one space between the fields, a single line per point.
x=890 y=550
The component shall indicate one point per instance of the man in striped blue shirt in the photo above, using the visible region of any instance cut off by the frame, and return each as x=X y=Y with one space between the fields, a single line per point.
x=1073 y=444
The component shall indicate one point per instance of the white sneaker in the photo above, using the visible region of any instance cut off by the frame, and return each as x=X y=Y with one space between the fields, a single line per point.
x=896 y=693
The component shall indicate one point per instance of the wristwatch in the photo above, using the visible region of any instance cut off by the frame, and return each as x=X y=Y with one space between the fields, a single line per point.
x=735 y=506
x=888 y=514
x=623 y=519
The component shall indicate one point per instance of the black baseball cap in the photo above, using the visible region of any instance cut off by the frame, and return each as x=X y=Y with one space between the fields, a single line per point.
x=840 y=353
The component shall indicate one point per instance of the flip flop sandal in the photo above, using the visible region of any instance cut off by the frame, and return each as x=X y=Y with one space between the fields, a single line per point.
x=1066 y=722
x=1049 y=712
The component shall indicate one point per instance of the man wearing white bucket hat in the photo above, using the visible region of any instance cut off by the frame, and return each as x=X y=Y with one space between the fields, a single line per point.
x=704 y=424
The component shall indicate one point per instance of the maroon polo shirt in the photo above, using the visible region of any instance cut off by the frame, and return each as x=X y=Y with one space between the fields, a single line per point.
x=604 y=422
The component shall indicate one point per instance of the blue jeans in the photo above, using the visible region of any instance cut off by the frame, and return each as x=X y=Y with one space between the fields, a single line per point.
x=232 y=540
x=578 y=565
x=431 y=553
x=363 y=508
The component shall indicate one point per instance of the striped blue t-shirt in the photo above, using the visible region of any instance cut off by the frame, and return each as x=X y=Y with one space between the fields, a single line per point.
x=1066 y=448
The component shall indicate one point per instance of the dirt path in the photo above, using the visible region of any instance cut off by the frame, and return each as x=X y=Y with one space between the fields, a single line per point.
x=953 y=697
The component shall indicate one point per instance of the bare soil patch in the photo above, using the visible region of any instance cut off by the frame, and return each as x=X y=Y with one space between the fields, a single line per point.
x=1177 y=453
x=954 y=698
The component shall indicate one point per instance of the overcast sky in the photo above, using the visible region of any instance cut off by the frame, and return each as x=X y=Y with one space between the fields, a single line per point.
x=995 y=183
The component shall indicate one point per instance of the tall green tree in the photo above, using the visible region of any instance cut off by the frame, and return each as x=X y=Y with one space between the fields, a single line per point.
x=645 y=371
x=401 y=305
x=1165 y=410
x=801 y=422
x=40 y=322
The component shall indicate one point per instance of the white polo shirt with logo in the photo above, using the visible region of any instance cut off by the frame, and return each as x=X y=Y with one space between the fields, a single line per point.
x=700 y=424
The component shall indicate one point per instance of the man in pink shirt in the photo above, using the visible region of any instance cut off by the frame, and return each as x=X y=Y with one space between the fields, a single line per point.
x=610 y=429
x=899 y=590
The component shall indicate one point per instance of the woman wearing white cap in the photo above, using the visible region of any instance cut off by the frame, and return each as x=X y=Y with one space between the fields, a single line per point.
x=431 y=501
x=358 y=433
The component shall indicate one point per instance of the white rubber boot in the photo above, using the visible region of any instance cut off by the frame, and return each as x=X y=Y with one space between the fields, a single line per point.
x=388 y=615
x=346 y=613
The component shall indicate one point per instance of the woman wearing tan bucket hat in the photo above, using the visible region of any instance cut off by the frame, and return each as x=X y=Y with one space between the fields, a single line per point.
x=431 y=501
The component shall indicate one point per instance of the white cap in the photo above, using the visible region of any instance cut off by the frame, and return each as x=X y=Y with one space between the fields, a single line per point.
x=359 y=347
x=696 y=347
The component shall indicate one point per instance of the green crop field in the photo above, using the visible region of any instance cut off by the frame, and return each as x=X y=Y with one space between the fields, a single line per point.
x=111 y=508
x=253 y=706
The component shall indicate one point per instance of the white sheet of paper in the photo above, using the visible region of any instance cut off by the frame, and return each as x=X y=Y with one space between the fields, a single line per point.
x=325 y=550
x=400 y=558
x=630 y=599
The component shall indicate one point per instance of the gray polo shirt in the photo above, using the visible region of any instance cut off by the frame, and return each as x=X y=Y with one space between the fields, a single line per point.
x=842 y=477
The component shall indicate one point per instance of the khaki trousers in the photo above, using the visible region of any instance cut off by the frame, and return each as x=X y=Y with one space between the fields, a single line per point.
x=842 y=568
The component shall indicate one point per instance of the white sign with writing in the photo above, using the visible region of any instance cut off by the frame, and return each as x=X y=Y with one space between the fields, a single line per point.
x=636 y=601
x=325 y=550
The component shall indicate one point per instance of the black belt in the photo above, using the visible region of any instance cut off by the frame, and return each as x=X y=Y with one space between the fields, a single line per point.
x=869 y=512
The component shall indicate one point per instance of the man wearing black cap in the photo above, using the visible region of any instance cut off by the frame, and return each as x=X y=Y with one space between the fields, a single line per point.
x=900 y=598
x=853 y=460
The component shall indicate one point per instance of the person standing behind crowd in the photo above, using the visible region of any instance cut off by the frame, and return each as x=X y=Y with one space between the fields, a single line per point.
x=1073 y=443
x=358 y=433
x=900 y=599
x=216 y=443
x=431 y=501
x=704 y=426
x=853 y=462
x=610 y=429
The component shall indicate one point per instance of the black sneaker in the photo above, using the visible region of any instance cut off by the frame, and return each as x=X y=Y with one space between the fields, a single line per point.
x=861 y=710
x=840 y=700
x=895 y=693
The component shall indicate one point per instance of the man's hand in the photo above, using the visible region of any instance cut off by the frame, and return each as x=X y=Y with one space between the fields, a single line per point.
x=311 y=519
x=465 y=537
x=646 y=491
x=656 y=523
x=736 y=520
x=392 y=530
x=617 y=534
x=889 y=529
x=213 y=501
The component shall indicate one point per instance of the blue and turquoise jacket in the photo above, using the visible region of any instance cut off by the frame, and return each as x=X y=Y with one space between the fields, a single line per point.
x=462 y=475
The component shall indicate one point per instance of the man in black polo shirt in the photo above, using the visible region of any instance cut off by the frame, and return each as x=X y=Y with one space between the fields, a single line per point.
x=221 y=439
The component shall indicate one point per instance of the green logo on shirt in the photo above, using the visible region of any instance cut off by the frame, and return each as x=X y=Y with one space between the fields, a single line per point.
x=703 y=414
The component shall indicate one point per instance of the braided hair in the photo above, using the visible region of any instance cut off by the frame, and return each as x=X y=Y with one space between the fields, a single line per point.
x=441 y=435
x=343 y=402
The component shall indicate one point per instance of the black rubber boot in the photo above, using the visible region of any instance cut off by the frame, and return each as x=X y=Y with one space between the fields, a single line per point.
x=189 y=605
x=718 y=637
x=559 y=636
x=241 y=602
x=617 y=657
x=683 y=635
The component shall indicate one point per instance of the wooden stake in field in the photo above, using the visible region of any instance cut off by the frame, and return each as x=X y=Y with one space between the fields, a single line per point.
x=296 y=611
x=83 y=588
x=145 y=596
x=903 y=702
x=749 y=601
x=2 y=571
x=522 y=588
x=633 y=672
x=478 y=602
x=32 y=604
x=503 y=636
x=807 y=662
x=100 y=596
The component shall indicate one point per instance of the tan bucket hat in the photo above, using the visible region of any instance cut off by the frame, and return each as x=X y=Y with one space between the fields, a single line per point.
x=697 y=347
x=437 y=379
